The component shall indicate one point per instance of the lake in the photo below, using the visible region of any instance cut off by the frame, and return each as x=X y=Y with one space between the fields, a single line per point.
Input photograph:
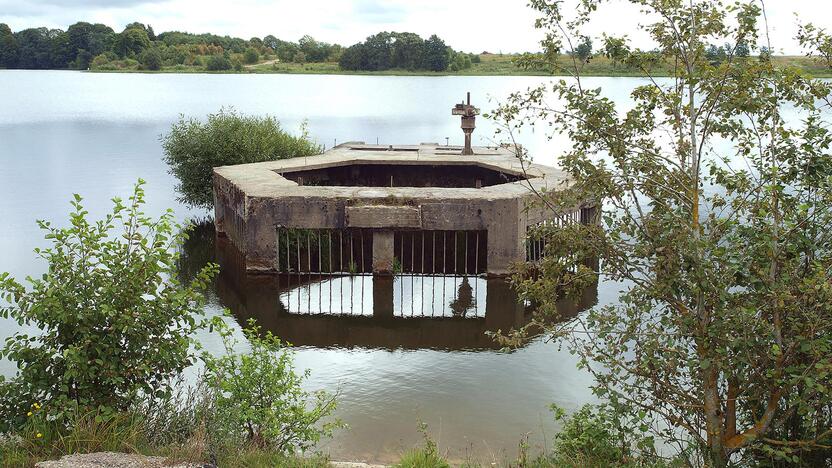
x=65 y=132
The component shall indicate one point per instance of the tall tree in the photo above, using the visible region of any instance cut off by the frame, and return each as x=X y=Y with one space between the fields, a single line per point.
x=34 y=48
x=8 y=47
x=436 y=54
x=131 y=42
x=717 y=224
x=408 y=51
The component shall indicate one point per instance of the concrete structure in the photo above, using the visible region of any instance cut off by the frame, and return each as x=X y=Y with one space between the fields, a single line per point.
x=369 y=208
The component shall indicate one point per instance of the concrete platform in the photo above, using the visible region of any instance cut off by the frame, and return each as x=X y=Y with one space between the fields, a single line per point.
x=431 y=188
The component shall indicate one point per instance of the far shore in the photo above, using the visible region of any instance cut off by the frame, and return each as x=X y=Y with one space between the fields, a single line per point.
x=489 y=65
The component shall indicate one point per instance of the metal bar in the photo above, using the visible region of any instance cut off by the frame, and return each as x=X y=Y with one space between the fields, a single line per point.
x=444 y=257
x=299 y=267
x=477 y=258
x=288 y=255
x=329 y=235
x=423 y=252
x=433 y=254
x=340 y=251
x=456 y=254
x=466 y=253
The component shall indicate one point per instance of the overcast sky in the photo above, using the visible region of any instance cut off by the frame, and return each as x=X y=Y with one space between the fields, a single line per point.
x=469 y=25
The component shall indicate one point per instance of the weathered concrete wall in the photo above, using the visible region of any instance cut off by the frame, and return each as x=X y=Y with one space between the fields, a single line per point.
x=252 y=201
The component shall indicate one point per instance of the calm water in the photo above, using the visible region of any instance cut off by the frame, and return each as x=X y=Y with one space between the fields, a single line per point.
x=95 y=134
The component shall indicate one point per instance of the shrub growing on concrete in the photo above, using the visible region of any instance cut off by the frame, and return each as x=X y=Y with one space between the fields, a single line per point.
x=193 y=148
x=112 y=321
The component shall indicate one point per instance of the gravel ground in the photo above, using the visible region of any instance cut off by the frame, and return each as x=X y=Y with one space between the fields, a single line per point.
x=126 y=460
x=111 y=460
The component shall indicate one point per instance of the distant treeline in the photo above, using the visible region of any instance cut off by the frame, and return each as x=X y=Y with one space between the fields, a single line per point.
x=85 y=45
x=407 y=51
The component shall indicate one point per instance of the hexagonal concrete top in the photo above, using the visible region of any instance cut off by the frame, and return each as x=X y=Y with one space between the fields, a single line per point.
x=266 y=179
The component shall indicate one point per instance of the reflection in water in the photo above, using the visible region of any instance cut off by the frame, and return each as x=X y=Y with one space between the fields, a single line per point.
x=404 y=311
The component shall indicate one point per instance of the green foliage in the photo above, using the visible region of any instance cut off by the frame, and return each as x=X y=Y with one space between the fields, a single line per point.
x=258 y=395
x=424 y=457
x=193 y=148
x=218 y=63
x=113 y=322
x=151 y=59
x=8 y=47
x=435 y=54
x=131 y=42
x=716 y=227
x=605 y=436
x=583 y=51
x=251 y=56
x=393 y=50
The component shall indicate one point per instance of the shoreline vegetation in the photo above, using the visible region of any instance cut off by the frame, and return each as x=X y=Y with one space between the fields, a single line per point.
x=489 y=65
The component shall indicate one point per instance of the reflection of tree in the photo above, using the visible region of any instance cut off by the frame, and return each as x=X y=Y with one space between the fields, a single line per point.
x=464 y=299
x=197 y=250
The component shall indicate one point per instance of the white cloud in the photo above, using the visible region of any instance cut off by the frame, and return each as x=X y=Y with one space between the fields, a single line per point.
x=470 y=25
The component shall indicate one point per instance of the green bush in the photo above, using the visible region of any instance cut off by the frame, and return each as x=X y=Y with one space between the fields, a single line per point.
x=423 y=457
x=601 y=436
x=193 y=148
x=251 y=56
x=258 y=397
x=151 y=59
x=113 y=323
x=218 y=63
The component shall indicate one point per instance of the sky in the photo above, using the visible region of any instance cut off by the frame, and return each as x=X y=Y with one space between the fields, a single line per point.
x=470 y=25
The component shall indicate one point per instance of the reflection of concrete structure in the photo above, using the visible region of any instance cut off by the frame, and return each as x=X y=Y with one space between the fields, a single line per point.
x=369 y=208
x=381 y=321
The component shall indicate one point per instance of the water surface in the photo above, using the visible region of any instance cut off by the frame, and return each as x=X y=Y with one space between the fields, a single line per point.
x=96 y=134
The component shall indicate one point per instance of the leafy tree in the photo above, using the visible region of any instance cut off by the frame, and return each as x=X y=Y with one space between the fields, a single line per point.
x=259 y=396
x=8 y=47
x=313 y=50
x=251 y=56
x=218 y=63
x=615 y=49
x=765 y=54
x=87 y=41
x=436 y=54
x=408 y=51
x=271 y=42
x=112 y=322
x=742 y=50
x=193 y=148
x=816 y=42
x=60 y=50
x=378 y=52
x=286 y=51
x=151 y=59
x=34 y=48
x=131 y=42
x=717 y=227
x=715 y=54
x=583 y=51
x=351 y=58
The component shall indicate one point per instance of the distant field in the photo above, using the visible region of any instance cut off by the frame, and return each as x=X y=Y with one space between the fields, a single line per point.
x=490 y=65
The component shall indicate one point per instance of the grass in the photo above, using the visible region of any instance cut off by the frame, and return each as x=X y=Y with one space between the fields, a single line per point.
x=490 y=65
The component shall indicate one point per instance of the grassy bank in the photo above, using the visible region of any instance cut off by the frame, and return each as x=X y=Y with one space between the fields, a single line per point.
x=489 y=65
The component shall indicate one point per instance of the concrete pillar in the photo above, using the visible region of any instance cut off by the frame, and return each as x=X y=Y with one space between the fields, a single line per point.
x=505 y=238
x=383 y=252
x=382 y=296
